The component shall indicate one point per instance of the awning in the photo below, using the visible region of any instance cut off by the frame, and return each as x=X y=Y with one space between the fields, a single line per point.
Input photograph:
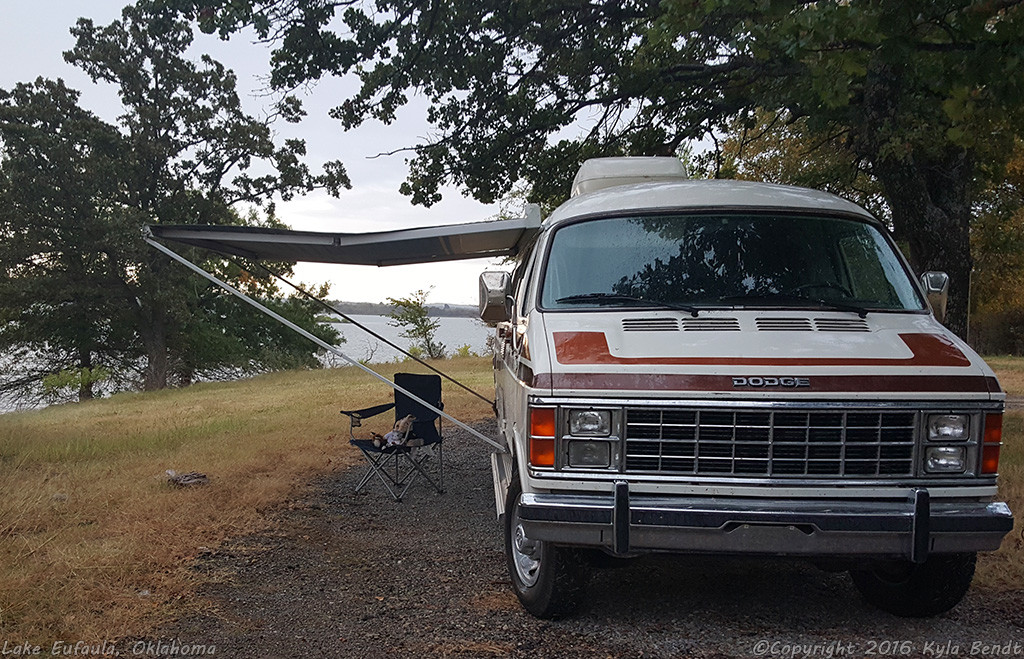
x=400 y=247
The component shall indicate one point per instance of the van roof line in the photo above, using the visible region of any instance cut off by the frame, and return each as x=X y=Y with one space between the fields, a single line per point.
x=720 y=194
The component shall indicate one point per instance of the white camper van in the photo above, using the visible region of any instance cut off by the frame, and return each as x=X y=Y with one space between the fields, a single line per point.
x=737 y=368
x=709 y=366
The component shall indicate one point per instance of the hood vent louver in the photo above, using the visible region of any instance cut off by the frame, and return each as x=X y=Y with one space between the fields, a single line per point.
x=650 y=325
x=710 y=324
x=686 y=325
x=784 y=325
x=841 y=325
x=807 y=325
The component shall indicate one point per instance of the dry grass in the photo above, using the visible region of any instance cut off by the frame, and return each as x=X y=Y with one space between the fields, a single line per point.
x=93 y=539
x=1011 y=373
x=1004 y=569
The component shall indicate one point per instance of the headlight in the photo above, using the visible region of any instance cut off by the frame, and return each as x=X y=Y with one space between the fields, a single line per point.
x=590 y=423
x=945 y=460
x=949 y=427
x=589 y=454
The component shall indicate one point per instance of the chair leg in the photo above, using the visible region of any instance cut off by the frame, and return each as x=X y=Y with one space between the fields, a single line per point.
x=378 y=468
x=398 y=478
x=374 y=464
x=419 y=470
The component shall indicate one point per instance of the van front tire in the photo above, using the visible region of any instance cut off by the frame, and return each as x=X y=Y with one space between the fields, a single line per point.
x=917 y=591
x=549 y=581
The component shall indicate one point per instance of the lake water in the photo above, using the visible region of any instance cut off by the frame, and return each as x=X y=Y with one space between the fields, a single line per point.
x=452 y=332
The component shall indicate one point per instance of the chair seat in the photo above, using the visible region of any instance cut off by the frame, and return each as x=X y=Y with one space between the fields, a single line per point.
x=368 y=445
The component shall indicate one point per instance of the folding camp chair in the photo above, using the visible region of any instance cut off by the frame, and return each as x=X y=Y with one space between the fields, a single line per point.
x=400 y=465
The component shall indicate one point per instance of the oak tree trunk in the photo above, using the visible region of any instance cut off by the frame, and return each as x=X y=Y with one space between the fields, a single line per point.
x=928 y=188
x=154 y=339
x=931 y=209
x=85 y=391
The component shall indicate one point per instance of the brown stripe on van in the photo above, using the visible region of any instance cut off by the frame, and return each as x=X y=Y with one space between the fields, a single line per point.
x=592 y=348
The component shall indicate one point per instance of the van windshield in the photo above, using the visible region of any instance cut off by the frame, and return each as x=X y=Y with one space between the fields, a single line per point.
x=726 y=260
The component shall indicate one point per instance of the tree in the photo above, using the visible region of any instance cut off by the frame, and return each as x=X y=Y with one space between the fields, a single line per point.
x=193 y=155
x=79 y=289
x=997 y=241
x=778 y=148
x=784 y=151
x=412 y=314
x=59 y=167
x=928 y=95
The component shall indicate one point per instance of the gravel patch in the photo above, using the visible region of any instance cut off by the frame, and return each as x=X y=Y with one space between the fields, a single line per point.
x=347 y=575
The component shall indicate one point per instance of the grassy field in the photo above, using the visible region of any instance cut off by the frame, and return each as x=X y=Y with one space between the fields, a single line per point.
x=94 y=542
x=1011 y=373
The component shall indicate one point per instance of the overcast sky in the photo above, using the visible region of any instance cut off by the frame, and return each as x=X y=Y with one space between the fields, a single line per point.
x=33 y=36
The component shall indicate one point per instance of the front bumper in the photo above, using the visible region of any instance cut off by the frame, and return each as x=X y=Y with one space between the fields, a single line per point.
x=625 y=524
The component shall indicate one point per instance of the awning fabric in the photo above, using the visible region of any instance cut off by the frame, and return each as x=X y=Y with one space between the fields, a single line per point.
x=403 y=246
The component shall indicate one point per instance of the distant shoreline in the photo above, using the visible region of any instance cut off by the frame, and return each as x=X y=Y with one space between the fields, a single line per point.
x=381 y=309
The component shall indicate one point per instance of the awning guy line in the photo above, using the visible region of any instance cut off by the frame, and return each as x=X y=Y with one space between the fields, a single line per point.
x=309 y=296
x=320 y=342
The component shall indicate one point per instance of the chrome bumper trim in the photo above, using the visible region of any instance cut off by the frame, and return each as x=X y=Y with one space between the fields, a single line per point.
x=624 y=523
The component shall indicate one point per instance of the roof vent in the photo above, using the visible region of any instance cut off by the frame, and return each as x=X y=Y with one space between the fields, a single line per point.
x=599 y=173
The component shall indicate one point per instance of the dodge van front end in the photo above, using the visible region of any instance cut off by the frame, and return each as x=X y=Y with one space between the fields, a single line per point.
x=737 y=368
x=762 y=477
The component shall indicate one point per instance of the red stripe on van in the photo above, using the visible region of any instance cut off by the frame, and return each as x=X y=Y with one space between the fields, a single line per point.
x=592 y=348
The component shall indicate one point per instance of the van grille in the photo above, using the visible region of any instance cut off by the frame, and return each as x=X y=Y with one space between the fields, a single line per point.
x=775 y=443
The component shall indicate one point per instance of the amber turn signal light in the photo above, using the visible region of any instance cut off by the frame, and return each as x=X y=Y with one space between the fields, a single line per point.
x=542 y=436
x=993 y=440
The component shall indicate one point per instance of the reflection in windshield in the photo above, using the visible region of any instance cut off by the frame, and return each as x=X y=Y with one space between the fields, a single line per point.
x=726 y=260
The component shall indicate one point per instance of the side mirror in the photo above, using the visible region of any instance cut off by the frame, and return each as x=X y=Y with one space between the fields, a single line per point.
x=936 y=288
x=494 y=290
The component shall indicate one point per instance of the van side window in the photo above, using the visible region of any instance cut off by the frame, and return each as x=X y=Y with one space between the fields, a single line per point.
x=521 y=282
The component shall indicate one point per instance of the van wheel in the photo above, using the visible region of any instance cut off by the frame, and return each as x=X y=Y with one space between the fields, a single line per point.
x=549 y=581
x=917 y=590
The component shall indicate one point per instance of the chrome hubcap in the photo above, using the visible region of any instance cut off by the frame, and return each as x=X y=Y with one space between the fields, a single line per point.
x=525 y=553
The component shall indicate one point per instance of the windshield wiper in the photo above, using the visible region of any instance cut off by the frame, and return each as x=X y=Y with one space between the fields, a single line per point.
x=611 y=298
x=825 y=304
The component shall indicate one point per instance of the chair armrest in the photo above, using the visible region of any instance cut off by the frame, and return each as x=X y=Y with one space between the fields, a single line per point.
x=368 y=412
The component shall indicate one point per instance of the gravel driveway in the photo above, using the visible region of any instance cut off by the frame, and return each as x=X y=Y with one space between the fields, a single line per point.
x=346 y=575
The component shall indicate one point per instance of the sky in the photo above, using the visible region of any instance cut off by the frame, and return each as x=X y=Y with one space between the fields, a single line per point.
x=34 y=35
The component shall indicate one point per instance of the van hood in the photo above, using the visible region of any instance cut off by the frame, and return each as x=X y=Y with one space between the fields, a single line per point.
x=757 y=354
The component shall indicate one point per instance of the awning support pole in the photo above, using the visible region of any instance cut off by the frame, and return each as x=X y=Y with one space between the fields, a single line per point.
x=320 y=342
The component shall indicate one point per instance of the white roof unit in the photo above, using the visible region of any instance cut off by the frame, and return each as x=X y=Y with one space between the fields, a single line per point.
x=600 y=173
